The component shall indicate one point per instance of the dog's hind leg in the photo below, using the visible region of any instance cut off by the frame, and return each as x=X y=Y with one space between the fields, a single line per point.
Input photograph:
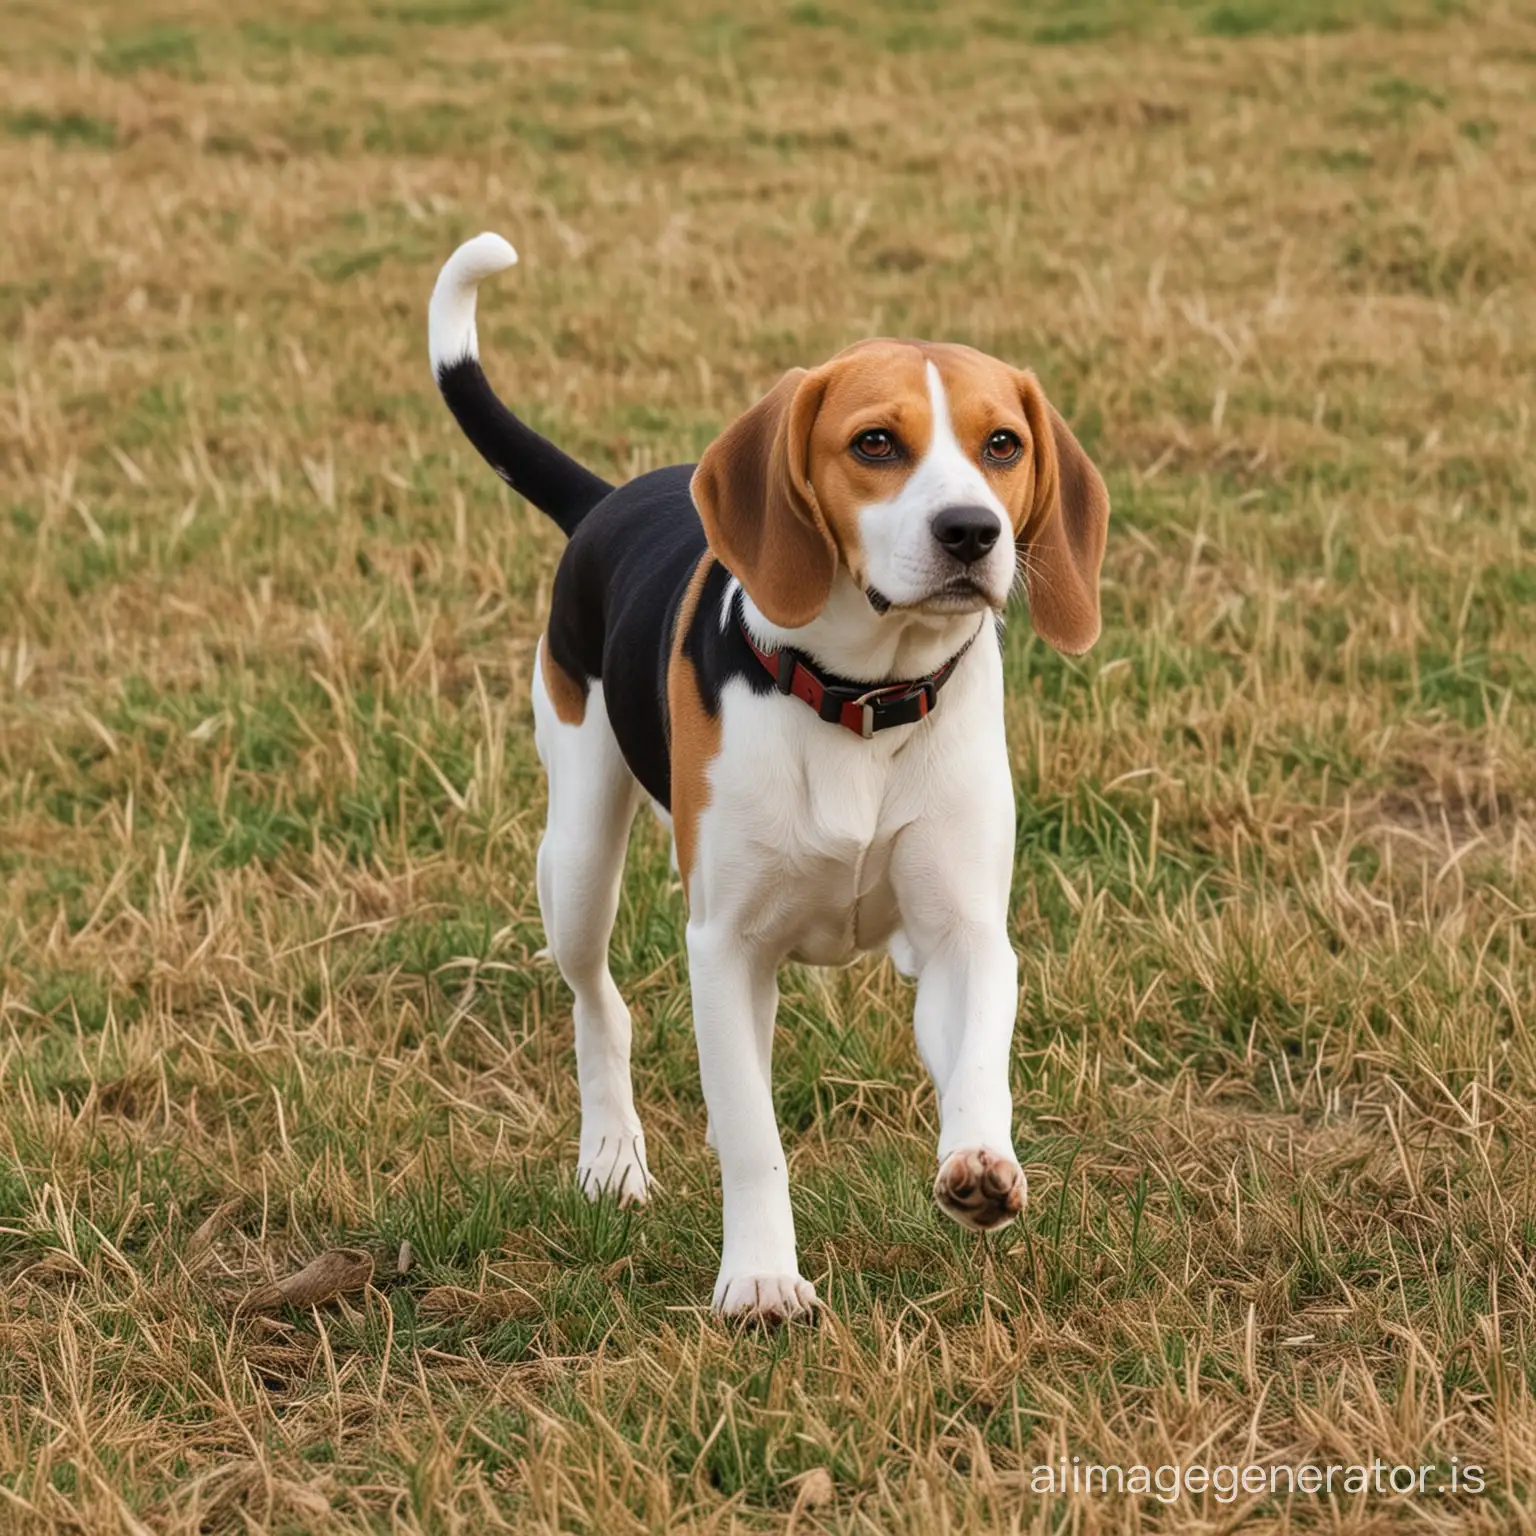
x=592 y=802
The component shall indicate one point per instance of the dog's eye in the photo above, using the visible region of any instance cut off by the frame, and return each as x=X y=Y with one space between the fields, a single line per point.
x=878 y=445
x=1003 y=447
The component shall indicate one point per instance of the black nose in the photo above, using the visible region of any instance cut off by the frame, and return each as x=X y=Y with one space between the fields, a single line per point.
x=967 y=533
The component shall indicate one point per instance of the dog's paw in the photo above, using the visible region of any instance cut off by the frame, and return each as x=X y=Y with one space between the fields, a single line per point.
x=764 y=1298
x=615 y=1165
x=981 y=1190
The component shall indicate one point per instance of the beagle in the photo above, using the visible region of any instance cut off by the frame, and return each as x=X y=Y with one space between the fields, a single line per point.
x=792 y=650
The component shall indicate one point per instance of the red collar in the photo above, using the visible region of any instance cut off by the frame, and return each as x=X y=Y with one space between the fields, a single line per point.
x=858 y=707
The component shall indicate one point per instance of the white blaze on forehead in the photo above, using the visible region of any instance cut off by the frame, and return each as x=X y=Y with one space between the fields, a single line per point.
x=899 y=549
x=954 y=476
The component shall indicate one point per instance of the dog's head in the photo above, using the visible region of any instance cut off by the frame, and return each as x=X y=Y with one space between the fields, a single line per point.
x=930 y=474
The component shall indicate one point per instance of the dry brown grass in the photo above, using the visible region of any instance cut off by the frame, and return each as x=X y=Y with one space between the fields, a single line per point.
x=268 y=800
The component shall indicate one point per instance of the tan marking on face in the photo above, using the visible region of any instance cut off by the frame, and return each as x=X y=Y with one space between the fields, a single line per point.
x=884 y=384
x=565 y=692
x=872 y=385
x=695 y=733
x=985 y=396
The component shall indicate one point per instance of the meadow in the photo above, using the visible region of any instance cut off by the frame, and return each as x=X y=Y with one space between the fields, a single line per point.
x=270 y=984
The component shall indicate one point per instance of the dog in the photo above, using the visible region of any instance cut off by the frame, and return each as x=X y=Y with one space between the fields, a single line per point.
x=792 y=648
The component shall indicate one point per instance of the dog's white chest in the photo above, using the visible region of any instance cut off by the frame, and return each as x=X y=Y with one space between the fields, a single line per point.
x=812 y=816
x=842 y=873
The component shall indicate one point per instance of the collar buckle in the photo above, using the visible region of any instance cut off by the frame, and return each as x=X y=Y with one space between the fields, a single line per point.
x=867 y=711
x=894 y=693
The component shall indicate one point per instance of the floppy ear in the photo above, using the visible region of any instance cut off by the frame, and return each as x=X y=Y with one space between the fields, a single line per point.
x=753 y=492
x=1062 y=542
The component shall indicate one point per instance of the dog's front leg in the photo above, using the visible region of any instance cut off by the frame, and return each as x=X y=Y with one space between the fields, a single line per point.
x=952 y=873
x=735 y=999
x=967 y=993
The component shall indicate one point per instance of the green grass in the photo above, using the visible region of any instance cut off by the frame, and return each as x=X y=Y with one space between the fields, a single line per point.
x=269 y=949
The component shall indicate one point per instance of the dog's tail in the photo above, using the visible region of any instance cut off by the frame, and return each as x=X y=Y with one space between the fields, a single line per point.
x=537 y=470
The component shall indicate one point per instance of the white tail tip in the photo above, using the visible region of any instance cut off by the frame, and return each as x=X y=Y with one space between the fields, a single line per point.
x=451 y=315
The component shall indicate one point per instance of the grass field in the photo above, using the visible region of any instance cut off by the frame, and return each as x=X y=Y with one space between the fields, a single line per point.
x=269 y=800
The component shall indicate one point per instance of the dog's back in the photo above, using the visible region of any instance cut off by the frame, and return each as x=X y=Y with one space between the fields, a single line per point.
x=632 y=551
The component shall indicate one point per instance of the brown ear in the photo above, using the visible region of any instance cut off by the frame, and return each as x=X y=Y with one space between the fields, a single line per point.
x=1062 y=542
x=754 y=495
